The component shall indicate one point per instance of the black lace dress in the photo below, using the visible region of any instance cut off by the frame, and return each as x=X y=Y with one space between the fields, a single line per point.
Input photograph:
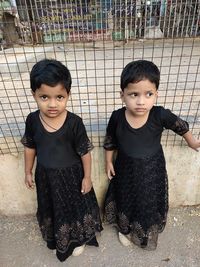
x=137 y=196
x=67 y=218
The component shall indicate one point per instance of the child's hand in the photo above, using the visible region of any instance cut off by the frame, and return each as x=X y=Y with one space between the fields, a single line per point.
x=86 y=185
x=110 y=170
x=194 y=144
x=29 y=181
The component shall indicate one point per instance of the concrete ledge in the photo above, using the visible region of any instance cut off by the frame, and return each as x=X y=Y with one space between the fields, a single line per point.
x=183 y=166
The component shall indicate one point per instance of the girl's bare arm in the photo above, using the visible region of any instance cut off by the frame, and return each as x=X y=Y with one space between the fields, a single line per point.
x=29 y=158
x=191 y=141
x=87 y=182
x=109 y=164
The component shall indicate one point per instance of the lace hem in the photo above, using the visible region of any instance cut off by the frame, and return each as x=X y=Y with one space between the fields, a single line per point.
x=66 y=234
x=146 y=239
x=84 y=148
x=180 y=127
x=28 y=142
x=109 y=144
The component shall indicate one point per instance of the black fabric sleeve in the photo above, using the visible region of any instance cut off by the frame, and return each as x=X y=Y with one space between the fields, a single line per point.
x=173 y=122
x=110 y=141
x=82 y=142
x=27 y=139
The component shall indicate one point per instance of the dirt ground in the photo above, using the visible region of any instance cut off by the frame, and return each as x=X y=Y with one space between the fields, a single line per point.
x=21 y=245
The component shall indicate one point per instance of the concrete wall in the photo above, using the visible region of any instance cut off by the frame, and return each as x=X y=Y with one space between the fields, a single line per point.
x=183 y=166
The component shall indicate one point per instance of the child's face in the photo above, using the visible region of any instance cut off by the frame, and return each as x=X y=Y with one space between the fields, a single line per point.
x=139 y=97
x=51 y=101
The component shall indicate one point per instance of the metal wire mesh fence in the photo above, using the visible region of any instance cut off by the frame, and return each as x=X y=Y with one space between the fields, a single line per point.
x=96 y=39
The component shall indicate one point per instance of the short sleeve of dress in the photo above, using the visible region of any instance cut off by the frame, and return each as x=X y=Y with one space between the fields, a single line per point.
x=82 y=142
x=27 y=139
x=173 y=122
x=110 y=141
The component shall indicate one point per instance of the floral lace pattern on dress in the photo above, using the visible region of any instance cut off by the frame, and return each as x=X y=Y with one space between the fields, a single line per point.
x=66 y=217
x=180 y=127
x=28 y=141
x=109 y=144
x=85 y=147
x=80 y=232
x=137 y=198
x=140 y=237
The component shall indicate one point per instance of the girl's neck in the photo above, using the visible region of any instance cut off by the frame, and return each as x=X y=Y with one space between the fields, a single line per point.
x=52 y=124
x=136 y=121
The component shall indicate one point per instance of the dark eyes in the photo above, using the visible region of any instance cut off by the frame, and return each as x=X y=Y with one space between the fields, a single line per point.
x=60 y=97
x=133 y=94
x=45 y=97
x=148 y=94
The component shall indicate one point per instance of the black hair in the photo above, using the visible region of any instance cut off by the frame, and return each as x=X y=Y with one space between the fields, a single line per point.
x=50 y=72
x=139 y=70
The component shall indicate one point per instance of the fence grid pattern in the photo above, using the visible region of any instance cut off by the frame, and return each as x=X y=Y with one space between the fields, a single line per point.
x=96 y=49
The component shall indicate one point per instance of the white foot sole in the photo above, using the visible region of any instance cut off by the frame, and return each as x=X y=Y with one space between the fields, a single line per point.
x=124 y=240
x=78 y=251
